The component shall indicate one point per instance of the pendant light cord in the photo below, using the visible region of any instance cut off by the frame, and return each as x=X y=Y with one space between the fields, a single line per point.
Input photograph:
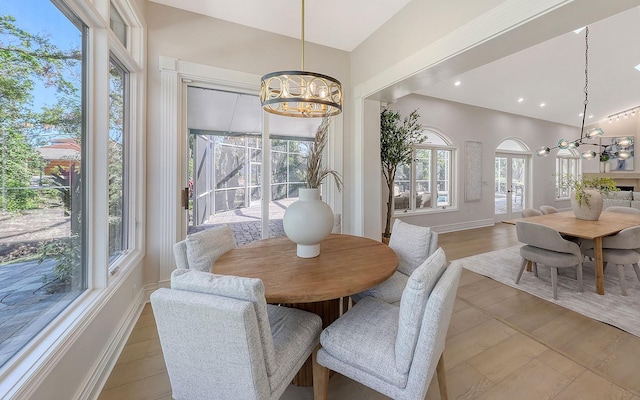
x=586 y=78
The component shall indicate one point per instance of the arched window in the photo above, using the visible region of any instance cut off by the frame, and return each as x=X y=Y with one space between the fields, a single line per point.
x=428 y=182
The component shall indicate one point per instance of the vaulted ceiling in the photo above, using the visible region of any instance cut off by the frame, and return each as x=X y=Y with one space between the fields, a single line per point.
x=551 y=72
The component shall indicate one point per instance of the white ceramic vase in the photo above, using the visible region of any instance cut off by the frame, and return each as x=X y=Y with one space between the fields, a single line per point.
x=307 y=222
x=589 y=212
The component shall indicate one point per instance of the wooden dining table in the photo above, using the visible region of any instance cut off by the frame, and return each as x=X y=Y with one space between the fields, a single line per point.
x=346 y=265
x=608 y=224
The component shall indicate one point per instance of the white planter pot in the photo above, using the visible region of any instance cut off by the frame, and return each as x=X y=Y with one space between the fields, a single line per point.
x=589 y=212
x=307 y=222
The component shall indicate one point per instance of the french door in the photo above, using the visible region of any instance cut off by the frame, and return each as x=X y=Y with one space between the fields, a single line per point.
x=510 y=185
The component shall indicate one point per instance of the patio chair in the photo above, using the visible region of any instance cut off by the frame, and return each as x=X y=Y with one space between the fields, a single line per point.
x=220 y=339
x=544 y=245
x=394 y=350
x=413 y=245
x=200 y=250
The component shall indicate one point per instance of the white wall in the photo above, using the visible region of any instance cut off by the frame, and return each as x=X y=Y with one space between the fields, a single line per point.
x=460 y=123
x=212 y=42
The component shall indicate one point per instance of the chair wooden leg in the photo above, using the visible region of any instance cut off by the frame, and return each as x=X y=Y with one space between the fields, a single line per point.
x=320 y=378
x=522 y=267
x=442 y=378
x=623 y=283
x=579 y=275
x=554 y=282
x=637 y=269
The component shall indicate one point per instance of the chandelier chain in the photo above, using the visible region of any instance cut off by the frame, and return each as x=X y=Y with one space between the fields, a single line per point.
x=586 y=79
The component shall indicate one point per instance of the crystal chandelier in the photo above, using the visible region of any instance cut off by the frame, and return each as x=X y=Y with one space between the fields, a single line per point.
x=621 y=145
x=301 y=93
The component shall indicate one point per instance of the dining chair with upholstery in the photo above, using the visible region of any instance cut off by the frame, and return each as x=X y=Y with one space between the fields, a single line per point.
x=621 y=249
x=548 y=209
x=220 y=339
x=394 y=350
x=623 y=210
x=413 y=244
x=530 y=212
x=200 y=250
x=544 y=245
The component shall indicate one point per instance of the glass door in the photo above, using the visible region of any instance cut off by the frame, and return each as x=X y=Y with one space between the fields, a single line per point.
x=510 y=185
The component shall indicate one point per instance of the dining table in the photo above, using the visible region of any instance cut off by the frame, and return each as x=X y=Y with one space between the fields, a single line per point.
x=346 y=265
x=566 y=223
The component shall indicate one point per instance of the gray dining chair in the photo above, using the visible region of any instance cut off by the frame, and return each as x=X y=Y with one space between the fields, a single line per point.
x=621 y=249
x=413 y=244
x=200 y=250
x=394 y=350
x=530 y=212
x=623 y=210
x=548 y=209
x=220 y=339
x=544 y=245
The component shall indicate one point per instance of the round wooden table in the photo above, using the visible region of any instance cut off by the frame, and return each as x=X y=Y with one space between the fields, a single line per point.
x=346 y=265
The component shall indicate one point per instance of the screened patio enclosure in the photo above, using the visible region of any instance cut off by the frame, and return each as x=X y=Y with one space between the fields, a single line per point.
x=226 y=160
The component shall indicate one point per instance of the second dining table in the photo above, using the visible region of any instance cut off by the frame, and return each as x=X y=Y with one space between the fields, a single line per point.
x=608 y=224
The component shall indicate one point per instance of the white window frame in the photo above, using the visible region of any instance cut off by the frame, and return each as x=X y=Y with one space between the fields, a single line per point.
x=433 y=181
x=574 y=169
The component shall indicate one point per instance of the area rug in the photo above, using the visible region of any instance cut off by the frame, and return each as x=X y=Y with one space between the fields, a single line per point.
x=612 y=308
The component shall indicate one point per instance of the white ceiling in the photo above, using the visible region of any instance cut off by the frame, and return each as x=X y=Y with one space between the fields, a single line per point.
x=345 y=27
x=551 y=72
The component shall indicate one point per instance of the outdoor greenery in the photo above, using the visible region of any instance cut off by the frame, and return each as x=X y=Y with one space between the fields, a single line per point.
x=26 y=61
x=397 y=137
x=316 y=171
x=579 y=185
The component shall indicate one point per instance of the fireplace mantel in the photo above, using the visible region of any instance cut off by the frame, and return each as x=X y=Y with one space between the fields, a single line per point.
x=622 y=179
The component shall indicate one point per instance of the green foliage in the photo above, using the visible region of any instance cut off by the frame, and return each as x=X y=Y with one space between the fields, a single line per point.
x=580 y=184
x=397 y=137
x=67 y=253
x=19 y=162
x=316 y=172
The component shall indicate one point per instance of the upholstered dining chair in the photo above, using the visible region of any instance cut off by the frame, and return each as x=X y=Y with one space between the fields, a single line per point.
x=623 y=210
x=548 y=209
x=530 y=212
x=200 y=250
x=621 y=249
x=412 y=244
x=394 y=350
x=221 y=340
x=544 y=245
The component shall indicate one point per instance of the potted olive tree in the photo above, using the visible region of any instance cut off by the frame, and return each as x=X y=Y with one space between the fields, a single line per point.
x=397 y=137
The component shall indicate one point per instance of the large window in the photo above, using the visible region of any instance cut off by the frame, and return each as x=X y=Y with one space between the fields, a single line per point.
x=68 y=156
x=427 y=184
x=567 y=163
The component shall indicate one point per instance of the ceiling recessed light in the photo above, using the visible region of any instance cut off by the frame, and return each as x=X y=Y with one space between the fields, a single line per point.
x=521 y=99
x=637 y=67
x=543 y=104
x=457 y=83
x=580 y=115
x=590 y=116
x=579 y=30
